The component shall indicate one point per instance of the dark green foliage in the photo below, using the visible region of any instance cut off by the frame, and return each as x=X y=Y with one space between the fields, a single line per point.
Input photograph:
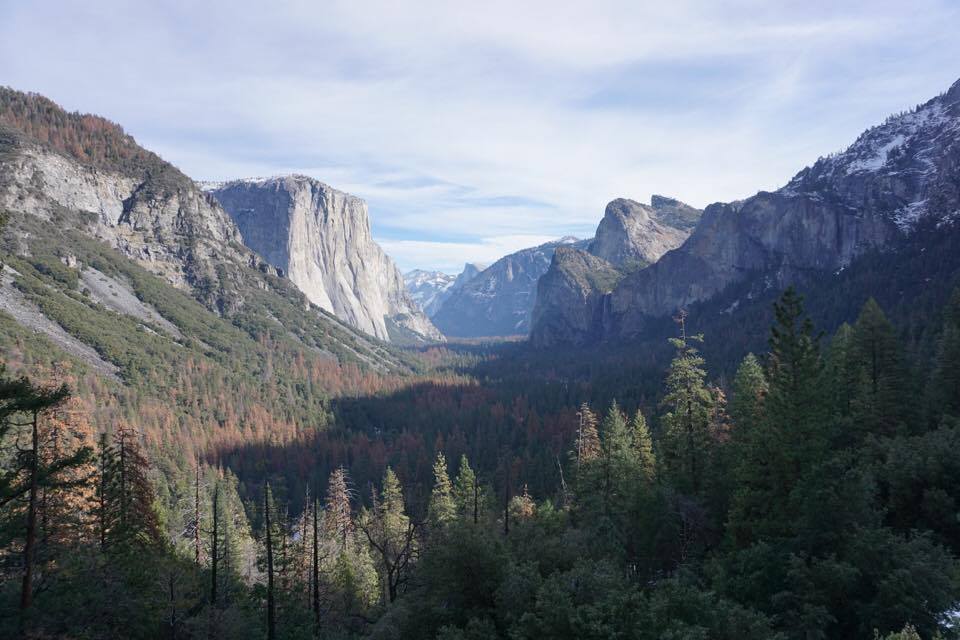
x=882 y=402
x=686 y=441
x=945 y=379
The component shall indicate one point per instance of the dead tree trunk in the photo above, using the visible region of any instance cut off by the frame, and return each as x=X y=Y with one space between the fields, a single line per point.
x=26 y=590
x=271 y=605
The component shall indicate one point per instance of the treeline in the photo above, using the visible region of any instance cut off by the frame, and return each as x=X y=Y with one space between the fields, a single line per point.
x=815 y=497
x=89 y=139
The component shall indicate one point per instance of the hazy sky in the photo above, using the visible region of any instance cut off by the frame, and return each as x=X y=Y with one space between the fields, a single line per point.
x=474 y=129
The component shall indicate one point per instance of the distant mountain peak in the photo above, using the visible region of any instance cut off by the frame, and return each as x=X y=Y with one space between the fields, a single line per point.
x=874 y=196
x=633 y=235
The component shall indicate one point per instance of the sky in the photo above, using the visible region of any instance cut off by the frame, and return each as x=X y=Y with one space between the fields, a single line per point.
x=474 y=129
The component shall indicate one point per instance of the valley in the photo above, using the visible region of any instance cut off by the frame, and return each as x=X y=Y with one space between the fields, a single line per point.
x=265 y=432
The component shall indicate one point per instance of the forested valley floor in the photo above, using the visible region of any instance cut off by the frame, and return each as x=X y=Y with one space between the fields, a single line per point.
x=812 y=493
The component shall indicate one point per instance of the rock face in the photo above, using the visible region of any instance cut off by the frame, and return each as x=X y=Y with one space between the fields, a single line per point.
x=893 y=178
x=499 y=300
x=171 y=228
x=573 y=296
x=430 y=289
x=570 y=297
x=67 y=179
x=633 y=235
x=320 y=238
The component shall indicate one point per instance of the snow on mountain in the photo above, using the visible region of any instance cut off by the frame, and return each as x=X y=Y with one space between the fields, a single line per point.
x=895 y=169
x=427 y=288
x=430 y=289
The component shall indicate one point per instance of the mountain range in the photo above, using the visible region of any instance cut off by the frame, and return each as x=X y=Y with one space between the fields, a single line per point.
x=430 y=289
x=220 y=242
x=894 y=180
x=498 y=300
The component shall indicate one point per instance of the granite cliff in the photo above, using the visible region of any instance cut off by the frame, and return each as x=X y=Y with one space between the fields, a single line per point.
x=320 y=238
x=895 y=178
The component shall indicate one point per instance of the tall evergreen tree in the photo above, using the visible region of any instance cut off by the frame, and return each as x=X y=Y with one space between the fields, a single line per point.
x=442 y=508
x=339 y=513
x=749 y=389
x=392 y=535
x=794 y=434
x=944 y=394
x=617 y=463
x=130 y=519
x=588 y=437
x=468 y=495
x=643 y=446
x=842 y=380
x=268 y=535
x=689 y=403
x=883 y=403
x=34 y=468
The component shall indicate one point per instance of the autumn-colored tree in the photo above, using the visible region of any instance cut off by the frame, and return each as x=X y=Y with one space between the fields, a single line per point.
x=41 y=468
x=339 y=514
x=127 y=516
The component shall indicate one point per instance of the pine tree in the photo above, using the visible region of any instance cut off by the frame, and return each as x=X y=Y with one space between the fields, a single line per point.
x=468 y=496
x=617 y=457
x=268 y=529
x=689 y=404
x=841 y=379
x=315 y=565
x=795 y=403
x=128 y=518
x=339 y=514
x=792 y=431
x=588 y=437
x=749 y=390
x=215 y=544
x=643 y=446
x=442 y=508
x=37 y=468
x=944 y=395
x=391 y=534
x=883 y=403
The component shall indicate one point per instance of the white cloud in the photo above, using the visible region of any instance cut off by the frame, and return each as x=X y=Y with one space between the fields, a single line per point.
x=440 y=112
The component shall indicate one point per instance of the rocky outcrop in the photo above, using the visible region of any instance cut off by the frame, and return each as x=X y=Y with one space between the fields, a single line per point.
x=892 y=179
x=430 y=289
x=320 y=238
x=632 y=235
x=571 y=297
x=68 y=179
x=470 y=271
x=499 y=300
x=171 y=228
